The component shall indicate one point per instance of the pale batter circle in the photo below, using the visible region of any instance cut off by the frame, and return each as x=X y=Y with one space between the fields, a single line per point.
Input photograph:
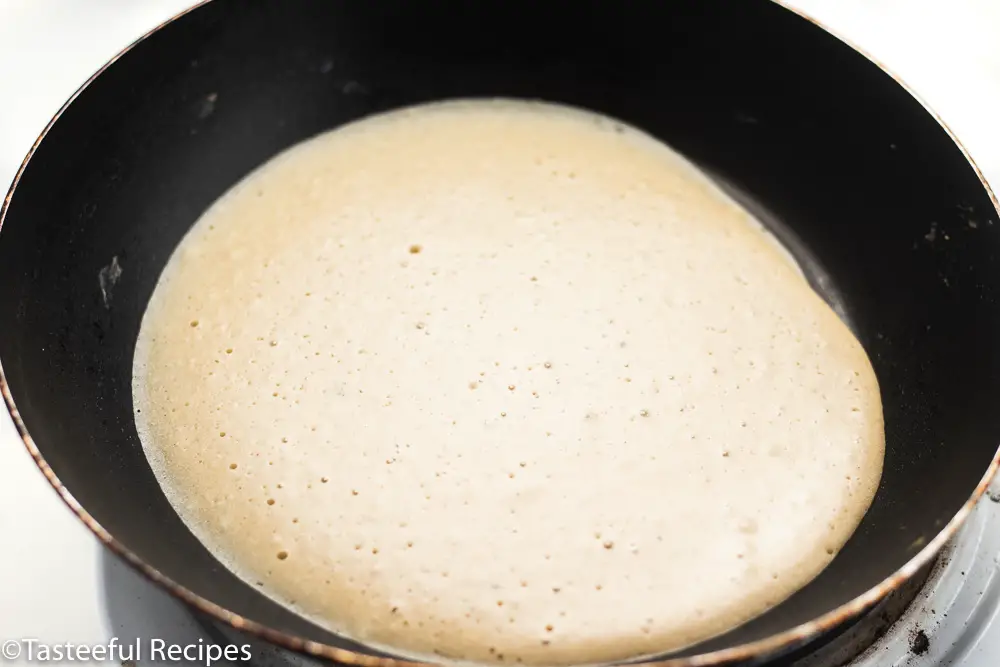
x=504 y=382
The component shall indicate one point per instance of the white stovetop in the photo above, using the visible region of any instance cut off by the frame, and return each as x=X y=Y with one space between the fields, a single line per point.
x=56 y=584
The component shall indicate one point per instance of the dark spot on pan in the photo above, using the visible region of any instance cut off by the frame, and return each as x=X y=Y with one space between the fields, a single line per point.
x=994 y=496
x=919 y=643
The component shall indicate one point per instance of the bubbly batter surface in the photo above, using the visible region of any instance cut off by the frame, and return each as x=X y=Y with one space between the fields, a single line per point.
x=503 y=382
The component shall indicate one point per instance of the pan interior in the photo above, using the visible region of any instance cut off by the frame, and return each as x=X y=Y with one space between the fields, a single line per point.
x=822 y=282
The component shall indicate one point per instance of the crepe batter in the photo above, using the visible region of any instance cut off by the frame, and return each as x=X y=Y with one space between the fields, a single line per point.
x=503 y=382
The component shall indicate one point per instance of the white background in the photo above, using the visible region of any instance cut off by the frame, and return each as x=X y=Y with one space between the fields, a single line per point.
x=56 y=584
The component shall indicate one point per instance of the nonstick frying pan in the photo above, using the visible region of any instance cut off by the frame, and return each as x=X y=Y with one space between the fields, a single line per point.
x=886 y=212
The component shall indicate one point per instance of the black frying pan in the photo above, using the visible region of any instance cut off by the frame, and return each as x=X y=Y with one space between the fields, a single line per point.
x=893 y=222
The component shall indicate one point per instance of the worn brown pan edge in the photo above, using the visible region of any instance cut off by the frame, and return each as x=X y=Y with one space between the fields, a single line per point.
x=761 y=648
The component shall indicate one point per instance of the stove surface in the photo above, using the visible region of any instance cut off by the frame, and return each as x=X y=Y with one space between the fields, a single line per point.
x=57 y=584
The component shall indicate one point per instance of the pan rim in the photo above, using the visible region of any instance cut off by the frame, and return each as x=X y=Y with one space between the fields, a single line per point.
x=787 y=639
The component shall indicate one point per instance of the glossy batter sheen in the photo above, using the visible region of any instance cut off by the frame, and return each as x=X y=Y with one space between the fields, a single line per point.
x=503 y=381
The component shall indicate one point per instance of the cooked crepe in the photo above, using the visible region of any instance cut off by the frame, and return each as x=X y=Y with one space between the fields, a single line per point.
x=502 y=381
